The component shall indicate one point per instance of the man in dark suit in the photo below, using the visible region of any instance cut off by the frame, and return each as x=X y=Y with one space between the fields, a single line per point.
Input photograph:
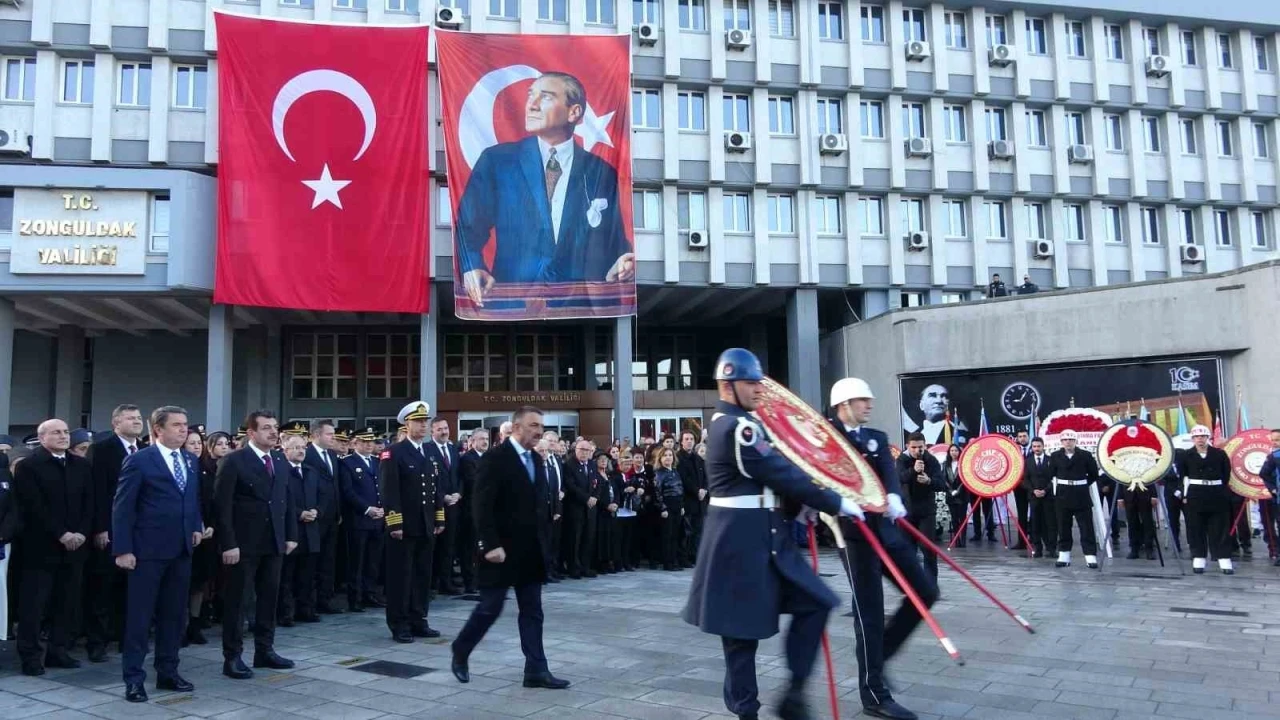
x=104 y=581
x=54 y=494
x=555 y=507
x=156 y=525
x=510 y=507
x=330 y=475
x=1037 y=481
x=558 y=218
x=468 y=466
x=693 y=477
x=1023 y=438
x=415 y=516
x=579 y=510
x=445 y=456
x=920 y=476
x=298 y=571
x=255 y=530
x=363 y=517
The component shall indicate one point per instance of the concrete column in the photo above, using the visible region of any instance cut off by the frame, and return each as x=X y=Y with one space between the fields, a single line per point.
x=803 y=361
x=428 y=364
x=218 y=391
x=7 y=324
x=624 y=399
x=68 y=386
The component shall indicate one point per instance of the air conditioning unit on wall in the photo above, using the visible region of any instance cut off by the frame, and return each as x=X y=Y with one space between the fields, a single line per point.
x=737 y=39
x=917 y=241
x=1191 y=254
x=832 y=143
x=698 y=239
x=1043 y=249
x=737 y=141
x=1001 y=55
x=448 y=18
x=918 y=50
x=647 y=33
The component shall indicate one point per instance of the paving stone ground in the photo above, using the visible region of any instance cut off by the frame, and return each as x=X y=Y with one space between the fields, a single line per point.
x=1107 y=646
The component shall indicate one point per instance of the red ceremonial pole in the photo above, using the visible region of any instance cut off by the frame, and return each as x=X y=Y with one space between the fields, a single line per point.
x=826 y=641
x=922 y=538
x=968 y=516
x=1236 y=522
x=1022 y=534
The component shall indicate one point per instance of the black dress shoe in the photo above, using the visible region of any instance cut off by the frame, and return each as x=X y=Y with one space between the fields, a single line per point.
x=174 y=682
x=452 y=591
x=284 y=622
x=402 y=637
x=1228 y=571
x=591 y=573
x=97 y=654
x=270 y=659
x=1133 y=555
x=373 y=602
x=235 y=669
x=62 y=660
x=327 y=609
x=310 y=618
x=194 y=636
x=460 y=669
x=889 y=709
x=425 y=632
x=32 y=669
x=1151 y=554
x=545 y=680
x=473 y=591
x=794 y=707
x=1036 y=554
x=355 y=607
x=553 y=579
x=135 y=693
x=1019 y=546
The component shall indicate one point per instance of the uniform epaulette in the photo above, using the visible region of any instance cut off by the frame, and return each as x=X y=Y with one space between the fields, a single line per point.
x=394 y=518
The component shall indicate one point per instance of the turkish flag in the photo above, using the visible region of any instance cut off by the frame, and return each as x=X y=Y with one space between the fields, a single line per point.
x=322 y=178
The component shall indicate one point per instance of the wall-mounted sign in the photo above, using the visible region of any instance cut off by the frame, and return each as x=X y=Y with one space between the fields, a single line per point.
x=79 y=232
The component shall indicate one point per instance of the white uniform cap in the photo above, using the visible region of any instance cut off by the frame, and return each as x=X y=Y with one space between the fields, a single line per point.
x=416 y=410
x=1067 y=435
x=850 y=388
x=1200 y=430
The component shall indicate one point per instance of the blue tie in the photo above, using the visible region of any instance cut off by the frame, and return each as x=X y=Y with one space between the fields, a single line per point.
x=528 y=465
x=177 y=473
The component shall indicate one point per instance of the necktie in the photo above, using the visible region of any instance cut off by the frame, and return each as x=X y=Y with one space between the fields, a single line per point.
x=129 y=449
x=178 y=475
x=552 y=174
x=297 y=472
x=327 y=463
x=271 y=469
x=528 y=465
x=444 y=453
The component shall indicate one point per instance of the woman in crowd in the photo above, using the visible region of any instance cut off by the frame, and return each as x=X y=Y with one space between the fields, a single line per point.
x=671 y=490
x=606 y=506
x=205 y=560
x=630 y=487
x=957 y=496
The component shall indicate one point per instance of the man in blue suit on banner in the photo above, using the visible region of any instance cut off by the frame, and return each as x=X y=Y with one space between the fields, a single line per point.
x=552 y=205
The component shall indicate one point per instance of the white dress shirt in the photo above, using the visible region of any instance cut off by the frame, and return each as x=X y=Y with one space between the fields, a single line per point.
x=564 y=156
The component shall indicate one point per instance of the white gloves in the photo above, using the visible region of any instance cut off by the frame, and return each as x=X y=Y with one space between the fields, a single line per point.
x=850 y=508
x=896 y=509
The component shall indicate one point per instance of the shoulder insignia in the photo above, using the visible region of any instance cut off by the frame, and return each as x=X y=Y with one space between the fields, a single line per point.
x=750 y=435
x=872 y=445
x=386 y=455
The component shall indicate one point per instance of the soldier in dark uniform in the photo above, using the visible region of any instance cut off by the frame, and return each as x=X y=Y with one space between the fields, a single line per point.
x=1074 y=469
x=1037 y=478
x=363 y=513
x=1139 y=503
x=415 y=515
x=1204 y=472
x=750 y=570
x=851 y=399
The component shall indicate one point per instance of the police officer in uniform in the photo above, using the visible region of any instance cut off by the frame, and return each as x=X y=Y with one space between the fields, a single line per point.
x=363 y=513
x=414 y=515
x=750 y=570
x=1204 y=472
x=852 y=402
x=1074 y=469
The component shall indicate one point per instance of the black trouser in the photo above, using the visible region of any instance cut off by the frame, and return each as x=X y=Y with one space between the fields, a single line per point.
x=49 y=590
x=1021 y=498
x=464 y=549
x=326 y=564
x=298 y=585
x=1243 y=538
x=671 y=526
x=103 y=598
x=443 y=554
x=1207 y=525
x=1270 y=525
x=878 y=642
x=1174 y=506
x=1044 y=524
x=529 y=601
x=928 y=525
x=1084 y=518
x=628 y=554
x=985 y=509
x=959 y=509
x=692 y=530
x=157 y=590
x=262 y=573
x=575 y=520
x=364 y=559
x=409 y=563
x=606 y=540
x=1142 y=522
x=555 y=560
x=587 y=543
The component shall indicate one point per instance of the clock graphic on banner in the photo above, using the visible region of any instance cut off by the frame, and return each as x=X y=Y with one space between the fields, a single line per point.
x=1020 y=400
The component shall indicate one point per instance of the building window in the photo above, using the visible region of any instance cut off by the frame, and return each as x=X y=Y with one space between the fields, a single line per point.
x=1261 y=148
x=646 y=11
x=404 y=6
x=1151 y=226
x=826 y=215
x=350 y=4
x=693 y=111
x=1036 y=221
x=1261 y=59
x=462 y=6
x=554 y=11
x=189 y=86
x=957 y=218
x=1075 y=39
x=782 y=214
x=160 y=224
x=829 y=116
x=1152 y=36
x=737 y=113
x=831 y=20
x=953 y=122
x=444 y=206
x=1037 y=41
x=957 y=30
x=544 y=362
x=475 y=362
x=6 y=211
x=782 y=116
x=954 y=298
x=996 y=228
x=1186 y=217
x=1189 y=144
x=912 y=215
x=782 y=18
x=737 y=213
x=299 y=3
x=1075 y=128
x=691 y=207
x=913 y=24
x=1261 y=239
x=646 y=108
x=1224 y=51
x=1037 y=132
x=1189 y=57
x=670 y=360
x=872 y=23
x=1113 y=220
x=1222 y=227
x=77 y=82
x=1115 y=42
x=997 y=30
x=1075 y=223
x=872 y=117
x=391 y=365
x=646 y=207
x=1115 y=132
x=1225 y=145
x=912 y=298
x=871 y=210
x=324 y=366
x=599 y=12
x=737 y=14
x=510 y=9
x=135 y=84
x=693 y=15
x=20 y=79
x=997 y=123
x=1151 y=133
x=913 y=120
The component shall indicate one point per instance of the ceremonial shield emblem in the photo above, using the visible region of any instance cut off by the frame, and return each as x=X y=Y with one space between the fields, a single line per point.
x=806 y=438
x=1248 y=449
x=1135 y=453
x=991 y=466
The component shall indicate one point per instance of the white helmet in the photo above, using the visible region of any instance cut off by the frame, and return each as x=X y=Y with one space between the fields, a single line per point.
x=1200 y=430
x=850 y=388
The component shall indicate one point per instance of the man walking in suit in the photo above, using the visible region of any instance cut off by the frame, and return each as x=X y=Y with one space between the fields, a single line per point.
x=53 y=490
x=510 y=507
x=330 y=475
x=298 y=571
x=446 y=457
x=255 y=530
x=363 y=517
x=156 y=525
x=468 y=466
x=104 y=581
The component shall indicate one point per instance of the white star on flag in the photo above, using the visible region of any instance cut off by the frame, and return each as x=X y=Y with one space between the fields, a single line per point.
x=594 y=129
x=326 y=189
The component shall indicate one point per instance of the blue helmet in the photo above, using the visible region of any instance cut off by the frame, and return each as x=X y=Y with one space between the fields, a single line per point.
x=739 y=364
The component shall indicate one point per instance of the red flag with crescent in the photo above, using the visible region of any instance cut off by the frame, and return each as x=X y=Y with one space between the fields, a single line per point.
x=323 y=185
x=538 y=150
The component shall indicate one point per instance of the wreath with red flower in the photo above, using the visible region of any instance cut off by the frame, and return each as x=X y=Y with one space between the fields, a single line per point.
x=1088 y=423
